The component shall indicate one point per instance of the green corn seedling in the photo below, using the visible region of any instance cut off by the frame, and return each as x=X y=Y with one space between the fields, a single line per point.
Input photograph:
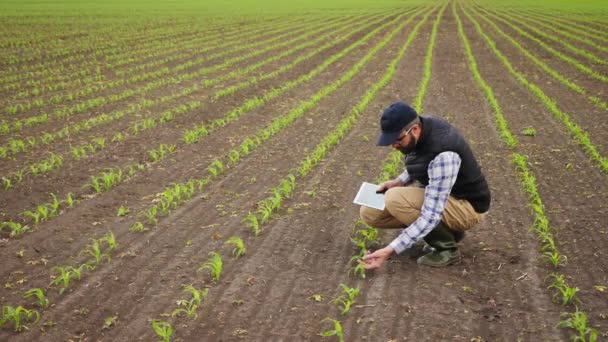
x=239 y=246
x=41 y=299
x=214 y=265
x=151 y=215
x=6 y=183
x=578 y=321
x=69 y=200
x=568 y=294
x=122 y=211
x=346 y=300
x=137 y=227
x=94 y=249
x=252 y=222
x=63 y=278
x=189 y=307
x=336 y=331
x=357 y=269
x=110 y=240
x=15 y=228
x=34 y=215
x=162 y=329
x=17 y=316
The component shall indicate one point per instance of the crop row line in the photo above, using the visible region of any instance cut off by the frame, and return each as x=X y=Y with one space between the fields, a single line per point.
x=541 y=222
x=581 y=52
x=99 y=143
x=16 y=146
x=569 y=23
x=577 y=64
x=367 y=235
x=96 y=102
x=571 y=29
x=576 y=131
x=106 y=52
x=168 y=201
x=552 y=72
x=197 y=45
x=61 y=277
x=574 y=37
x=233 y=115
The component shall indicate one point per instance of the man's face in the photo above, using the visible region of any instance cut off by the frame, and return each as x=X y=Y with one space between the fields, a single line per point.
x=406 y=143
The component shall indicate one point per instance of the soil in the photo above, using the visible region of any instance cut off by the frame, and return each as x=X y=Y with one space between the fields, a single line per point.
x=282 y=288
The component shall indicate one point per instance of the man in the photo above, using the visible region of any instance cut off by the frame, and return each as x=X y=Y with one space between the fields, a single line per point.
x=441 y=194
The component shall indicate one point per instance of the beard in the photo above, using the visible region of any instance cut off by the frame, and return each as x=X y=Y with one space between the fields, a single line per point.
x=409 y=148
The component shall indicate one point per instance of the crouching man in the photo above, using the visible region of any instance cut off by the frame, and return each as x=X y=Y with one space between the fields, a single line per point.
x=441 y=194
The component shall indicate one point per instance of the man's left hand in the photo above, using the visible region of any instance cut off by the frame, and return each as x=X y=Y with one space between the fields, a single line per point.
x=376 y=259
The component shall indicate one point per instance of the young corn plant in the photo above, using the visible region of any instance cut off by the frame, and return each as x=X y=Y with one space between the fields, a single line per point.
x=578 y=321
x=110 y=240
x=189 y=307
x=137 y=227
x=336 y=331
x=162 y=329
x=357 y=268
x=94 y=249
x=214 y=265
x=568 y=294
x=41 y=299
x=346 y=300
x=252 y=222
x=122 y=211
x=15 y=228
x=17 y=316
x=239 y=246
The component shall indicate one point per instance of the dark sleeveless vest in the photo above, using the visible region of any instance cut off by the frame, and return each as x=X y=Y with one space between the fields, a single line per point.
x=439 y=136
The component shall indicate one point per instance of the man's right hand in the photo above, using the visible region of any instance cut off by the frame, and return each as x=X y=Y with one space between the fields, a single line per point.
x=390 y=184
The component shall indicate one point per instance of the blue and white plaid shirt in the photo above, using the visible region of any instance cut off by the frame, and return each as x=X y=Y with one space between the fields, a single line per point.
x=442 y=171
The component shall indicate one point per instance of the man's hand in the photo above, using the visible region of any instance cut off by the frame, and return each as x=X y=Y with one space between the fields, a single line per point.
x=387 y=185
x=376 y=259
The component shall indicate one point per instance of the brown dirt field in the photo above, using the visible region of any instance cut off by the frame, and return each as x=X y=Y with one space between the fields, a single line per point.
x=498 y=292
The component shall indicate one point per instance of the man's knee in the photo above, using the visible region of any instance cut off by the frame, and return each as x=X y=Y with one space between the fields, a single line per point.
x=369 y=215
x=402 y=198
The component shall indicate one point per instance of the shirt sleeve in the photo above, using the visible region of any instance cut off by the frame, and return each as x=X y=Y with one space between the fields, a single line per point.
x=404 y=177
x=442 y=171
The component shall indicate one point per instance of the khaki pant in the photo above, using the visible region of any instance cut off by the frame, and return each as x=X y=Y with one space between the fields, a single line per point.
x=403 y=205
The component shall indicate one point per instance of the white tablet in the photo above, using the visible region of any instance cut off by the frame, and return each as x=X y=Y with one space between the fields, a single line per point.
x=368 y=197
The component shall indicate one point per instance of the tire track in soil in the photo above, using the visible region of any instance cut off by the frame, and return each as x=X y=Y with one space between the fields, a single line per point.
x=581 y=110
x=574 y=192
x=191 y=159
x=93 y=277
x=118 y=154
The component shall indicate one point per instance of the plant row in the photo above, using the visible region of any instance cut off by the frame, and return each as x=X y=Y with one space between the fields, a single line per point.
x=528 y=182
x=98 y=143
x=81 y=107
x=198 y=46
x=103 y=181
x=217 y=167
x=128 y=93
x=552 y=72
x=285 y=189
x=97 y=250
x=575 y=130
x=572 y=61
x=581 y=52
x=179 y=193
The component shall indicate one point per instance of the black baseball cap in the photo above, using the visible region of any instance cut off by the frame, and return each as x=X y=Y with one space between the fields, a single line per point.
x=394 y=118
